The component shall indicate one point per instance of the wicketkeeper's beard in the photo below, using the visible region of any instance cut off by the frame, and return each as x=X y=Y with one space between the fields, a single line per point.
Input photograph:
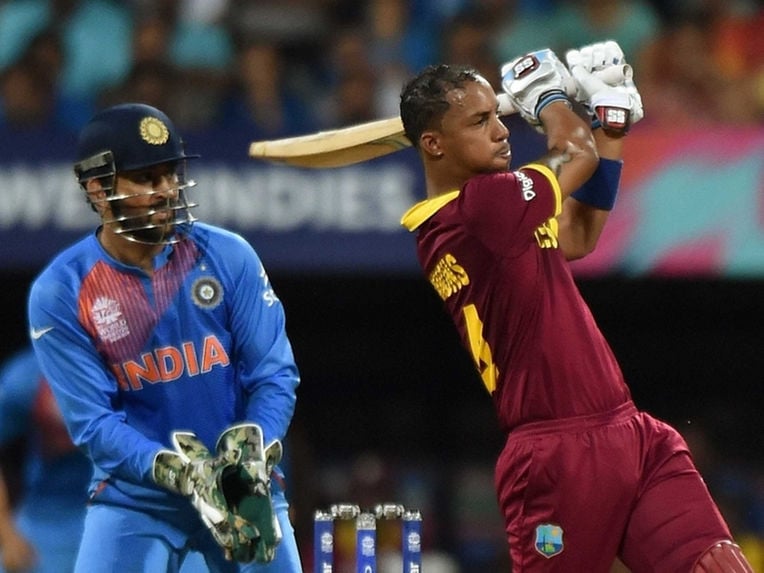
x=153 y=229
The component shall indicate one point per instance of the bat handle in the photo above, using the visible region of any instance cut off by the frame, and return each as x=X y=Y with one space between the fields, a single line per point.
x=506 y=107
x=612 y=76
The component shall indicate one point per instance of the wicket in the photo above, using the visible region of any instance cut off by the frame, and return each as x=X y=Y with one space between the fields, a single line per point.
x=366 y=536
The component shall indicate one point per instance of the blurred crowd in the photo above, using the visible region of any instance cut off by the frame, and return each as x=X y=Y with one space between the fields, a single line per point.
x=273 y=68
x=282 y=67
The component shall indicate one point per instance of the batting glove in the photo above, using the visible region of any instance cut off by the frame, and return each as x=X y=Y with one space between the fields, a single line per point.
x=613 y=106
x=533 y=81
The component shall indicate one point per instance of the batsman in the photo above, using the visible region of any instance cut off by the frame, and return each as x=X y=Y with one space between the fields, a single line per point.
x=165 y=346
x=584 y=476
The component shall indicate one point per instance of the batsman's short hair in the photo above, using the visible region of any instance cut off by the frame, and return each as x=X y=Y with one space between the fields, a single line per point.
x=423 y=99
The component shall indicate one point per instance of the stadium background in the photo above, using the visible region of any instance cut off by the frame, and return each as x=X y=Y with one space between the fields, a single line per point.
x=390 y=407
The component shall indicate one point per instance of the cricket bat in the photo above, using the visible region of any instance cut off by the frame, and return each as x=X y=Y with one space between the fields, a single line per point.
x=343 y=146
x=364 y=141
x=336 y=147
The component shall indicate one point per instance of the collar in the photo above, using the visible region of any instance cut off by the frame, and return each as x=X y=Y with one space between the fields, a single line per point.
x=423 y=210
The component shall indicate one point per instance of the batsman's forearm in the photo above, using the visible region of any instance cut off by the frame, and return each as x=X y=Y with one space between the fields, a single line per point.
x=572 y=152
x=585 y=213
x=608 y=147
x=580 y=227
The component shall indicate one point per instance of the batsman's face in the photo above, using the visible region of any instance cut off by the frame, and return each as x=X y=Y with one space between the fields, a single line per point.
x=472 y=133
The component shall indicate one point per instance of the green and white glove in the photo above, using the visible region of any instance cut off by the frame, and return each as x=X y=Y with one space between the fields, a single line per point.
x=247 y=489
x=192 y=471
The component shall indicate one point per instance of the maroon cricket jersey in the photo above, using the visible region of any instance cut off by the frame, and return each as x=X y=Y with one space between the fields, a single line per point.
x=491 y=252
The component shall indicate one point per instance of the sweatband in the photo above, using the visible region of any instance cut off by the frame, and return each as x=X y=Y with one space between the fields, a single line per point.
x=602 y=187
x=550 y=97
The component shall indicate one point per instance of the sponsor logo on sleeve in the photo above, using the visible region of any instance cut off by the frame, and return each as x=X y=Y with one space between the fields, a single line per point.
x=38 y=333
x=526 y=185
x=269 y=296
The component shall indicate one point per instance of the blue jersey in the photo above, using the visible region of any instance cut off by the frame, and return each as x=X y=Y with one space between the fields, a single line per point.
x=199 y=344
x=56 y=473
x=50 y=512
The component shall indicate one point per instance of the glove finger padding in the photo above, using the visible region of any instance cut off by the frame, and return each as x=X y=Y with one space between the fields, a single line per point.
x=596 y=57
x=202 y=479
x=535 y=80
x=615 y=107
x=167 y=469
x=245 y=442
x=231 y=491
x=247 y=489
x=611 y=107
x=606 y=54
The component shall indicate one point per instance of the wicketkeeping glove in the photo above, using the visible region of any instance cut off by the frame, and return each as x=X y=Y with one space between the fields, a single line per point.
x=533 y=81
x=615 y=107
x=192 y=471
x=247 y=489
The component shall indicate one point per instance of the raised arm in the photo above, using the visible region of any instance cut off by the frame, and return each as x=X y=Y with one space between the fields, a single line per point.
x=536 y=84
x=613 y=110
x=581 y=222
x=572 y=153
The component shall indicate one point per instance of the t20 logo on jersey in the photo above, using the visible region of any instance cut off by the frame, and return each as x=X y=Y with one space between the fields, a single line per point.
x=108 y=319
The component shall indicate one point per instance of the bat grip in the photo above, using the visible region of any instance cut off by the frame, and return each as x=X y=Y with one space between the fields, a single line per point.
x=612 y=75
x=506 y=107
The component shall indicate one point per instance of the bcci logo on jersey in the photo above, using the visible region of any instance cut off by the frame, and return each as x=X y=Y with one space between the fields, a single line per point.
x=207 y=292
x=549 y=540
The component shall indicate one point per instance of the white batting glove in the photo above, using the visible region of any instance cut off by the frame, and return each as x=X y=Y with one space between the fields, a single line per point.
x=596 y=57
x=614 y=106
x=533 y=81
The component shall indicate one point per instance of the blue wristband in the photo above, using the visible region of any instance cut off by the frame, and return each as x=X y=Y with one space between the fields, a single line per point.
x=600 y=190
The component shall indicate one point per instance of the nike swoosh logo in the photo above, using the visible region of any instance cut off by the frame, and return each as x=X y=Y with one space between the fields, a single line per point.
x=38 y=333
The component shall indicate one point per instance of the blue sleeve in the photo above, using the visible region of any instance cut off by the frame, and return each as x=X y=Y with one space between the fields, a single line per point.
x=84 y=389
x=266 y=368
x=19 y=378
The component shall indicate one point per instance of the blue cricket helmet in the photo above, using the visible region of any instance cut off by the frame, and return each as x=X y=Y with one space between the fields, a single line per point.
x=129 y=137
x=126 y=137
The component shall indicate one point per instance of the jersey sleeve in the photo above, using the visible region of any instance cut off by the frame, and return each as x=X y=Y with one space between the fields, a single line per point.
x=19 y=378
x=505 y=210
x=86 y=392
x=266 y=369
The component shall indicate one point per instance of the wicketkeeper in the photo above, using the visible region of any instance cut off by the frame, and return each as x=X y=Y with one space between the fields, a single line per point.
x=166 y=348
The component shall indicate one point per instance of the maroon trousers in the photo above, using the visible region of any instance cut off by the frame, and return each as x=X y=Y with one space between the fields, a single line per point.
x=578 y=492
